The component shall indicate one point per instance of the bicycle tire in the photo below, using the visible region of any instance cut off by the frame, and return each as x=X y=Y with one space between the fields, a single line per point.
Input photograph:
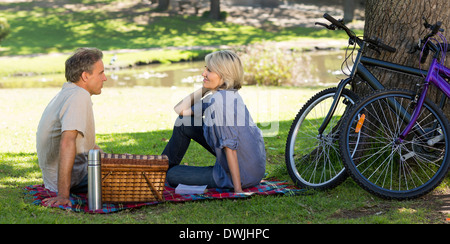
x=305 y=165
x=386 y=167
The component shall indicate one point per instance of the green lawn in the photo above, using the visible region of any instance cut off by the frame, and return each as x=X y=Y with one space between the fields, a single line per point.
x=55 y=30
x=37 y=29
x=139 y=120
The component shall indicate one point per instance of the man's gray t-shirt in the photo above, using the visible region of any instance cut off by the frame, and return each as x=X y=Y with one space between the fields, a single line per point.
x=70 y=109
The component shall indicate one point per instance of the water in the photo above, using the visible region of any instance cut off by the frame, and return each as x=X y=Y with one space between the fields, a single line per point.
x=319 y=69
x=157 y=75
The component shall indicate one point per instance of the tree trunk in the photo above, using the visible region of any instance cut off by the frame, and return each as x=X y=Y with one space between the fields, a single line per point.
x=163 y=5
x=400 y=25
x=215 y=9
x=270 y=3
x=349 y=10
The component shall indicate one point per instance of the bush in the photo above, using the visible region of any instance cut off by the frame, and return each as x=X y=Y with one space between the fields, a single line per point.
x=267 y=64
x=222 y=16
x=4 y=28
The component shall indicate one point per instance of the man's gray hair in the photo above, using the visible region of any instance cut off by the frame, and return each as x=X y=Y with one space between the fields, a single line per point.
x=82 y=60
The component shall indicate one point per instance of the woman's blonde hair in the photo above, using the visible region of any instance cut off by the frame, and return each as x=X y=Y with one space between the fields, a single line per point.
x=228 y=66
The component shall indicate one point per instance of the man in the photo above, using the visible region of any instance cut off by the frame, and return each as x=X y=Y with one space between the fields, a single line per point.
x=66 y=131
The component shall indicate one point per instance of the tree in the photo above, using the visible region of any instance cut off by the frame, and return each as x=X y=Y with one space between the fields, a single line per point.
x=163 y=5
x=349 y=10
x=214 y=9
x=400 y=25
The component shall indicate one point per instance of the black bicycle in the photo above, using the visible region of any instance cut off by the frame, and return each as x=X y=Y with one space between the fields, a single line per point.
x=312 y=149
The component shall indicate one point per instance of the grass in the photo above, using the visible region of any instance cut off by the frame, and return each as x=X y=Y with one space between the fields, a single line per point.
x=37 y=30
x=139 y=120
x=57 y=29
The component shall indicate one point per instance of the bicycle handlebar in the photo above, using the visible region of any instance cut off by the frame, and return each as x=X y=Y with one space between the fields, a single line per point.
x=381 y=45
x=429 y=45
x=340 y=25
x=437 y=28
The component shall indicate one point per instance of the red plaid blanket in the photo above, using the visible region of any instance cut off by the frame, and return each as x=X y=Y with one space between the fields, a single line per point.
x=79 y=201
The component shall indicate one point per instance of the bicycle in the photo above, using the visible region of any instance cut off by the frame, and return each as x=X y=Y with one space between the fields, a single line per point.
x=312 y=153
x=395 y=143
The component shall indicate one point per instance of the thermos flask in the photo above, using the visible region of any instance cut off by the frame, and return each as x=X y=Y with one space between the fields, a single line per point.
x=94 y=180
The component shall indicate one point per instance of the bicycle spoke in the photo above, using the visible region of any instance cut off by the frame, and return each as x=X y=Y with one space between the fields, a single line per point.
x=386 y=164
x=314 y=160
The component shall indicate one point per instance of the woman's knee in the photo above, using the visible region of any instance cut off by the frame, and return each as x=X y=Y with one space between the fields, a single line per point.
x=186 y=125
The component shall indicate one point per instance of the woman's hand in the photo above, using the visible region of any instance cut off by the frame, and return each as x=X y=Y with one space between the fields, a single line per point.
x=184 y=106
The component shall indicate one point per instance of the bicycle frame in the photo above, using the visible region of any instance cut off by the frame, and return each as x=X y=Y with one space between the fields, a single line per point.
x=360 y=70
x=434 y=78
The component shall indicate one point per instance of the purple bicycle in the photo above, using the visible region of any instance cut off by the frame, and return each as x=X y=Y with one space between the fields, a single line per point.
x=396 y=143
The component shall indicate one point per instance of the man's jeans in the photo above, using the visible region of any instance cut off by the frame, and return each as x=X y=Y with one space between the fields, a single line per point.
x=176 y=149
x=82 y=187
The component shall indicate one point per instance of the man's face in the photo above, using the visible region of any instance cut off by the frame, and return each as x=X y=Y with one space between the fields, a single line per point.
x=94 y=81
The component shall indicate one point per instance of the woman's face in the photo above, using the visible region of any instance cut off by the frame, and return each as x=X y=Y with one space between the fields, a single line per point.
x=211 y=80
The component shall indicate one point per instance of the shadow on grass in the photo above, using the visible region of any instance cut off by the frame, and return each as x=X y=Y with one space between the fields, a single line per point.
x=21 y=169
x=154 y=142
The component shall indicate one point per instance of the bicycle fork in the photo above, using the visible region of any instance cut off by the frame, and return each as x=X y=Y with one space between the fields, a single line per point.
x=433 y=78
x=333 y=107
x=339 y=90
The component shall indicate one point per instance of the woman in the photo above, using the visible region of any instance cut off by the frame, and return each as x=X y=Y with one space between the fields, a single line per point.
x=221 y=123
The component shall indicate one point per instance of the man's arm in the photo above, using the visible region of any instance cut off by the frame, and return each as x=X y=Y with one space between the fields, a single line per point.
x=67 y=157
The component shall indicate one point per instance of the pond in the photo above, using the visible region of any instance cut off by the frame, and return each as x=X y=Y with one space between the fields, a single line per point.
x=320 y=69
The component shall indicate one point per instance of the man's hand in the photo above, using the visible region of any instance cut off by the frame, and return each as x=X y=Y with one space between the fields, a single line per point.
x=56 y=201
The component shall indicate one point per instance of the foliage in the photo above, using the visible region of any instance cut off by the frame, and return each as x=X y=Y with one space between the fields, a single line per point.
x=4 y=28
x=222 y=16
x=268 y=63
x=265 y=64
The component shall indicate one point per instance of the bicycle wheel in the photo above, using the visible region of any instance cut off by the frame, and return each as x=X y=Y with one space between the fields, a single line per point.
x=313 y=160
x=380 y=163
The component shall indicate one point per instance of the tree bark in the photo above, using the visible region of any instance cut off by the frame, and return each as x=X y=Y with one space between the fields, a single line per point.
x=215 y=9
x=349 y=10
x=400 y=25
x=163 y=5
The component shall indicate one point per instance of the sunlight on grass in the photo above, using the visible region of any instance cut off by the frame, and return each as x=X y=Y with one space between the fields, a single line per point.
x=119 y=110
x=59 y=30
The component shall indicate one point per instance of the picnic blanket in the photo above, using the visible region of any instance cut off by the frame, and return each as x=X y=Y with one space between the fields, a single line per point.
x=79 y=201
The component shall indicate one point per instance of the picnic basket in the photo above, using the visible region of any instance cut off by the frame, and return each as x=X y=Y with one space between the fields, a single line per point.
x=133 y=178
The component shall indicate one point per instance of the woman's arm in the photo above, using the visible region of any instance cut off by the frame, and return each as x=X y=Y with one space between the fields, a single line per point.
x=184 y=107
x=233 y=165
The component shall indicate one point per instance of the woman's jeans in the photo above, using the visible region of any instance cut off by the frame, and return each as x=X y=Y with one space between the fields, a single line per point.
x=176 y=149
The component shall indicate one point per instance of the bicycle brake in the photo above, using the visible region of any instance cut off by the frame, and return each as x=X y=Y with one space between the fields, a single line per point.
x=416 y=47
x=330 y=27
x=413 y=49
x=418 y=91
x=426 y=24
